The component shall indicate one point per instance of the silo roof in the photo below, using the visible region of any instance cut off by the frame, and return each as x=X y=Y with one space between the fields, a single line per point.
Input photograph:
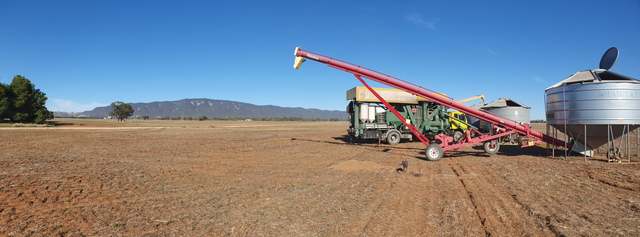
x=504 y=102
x=593 y=75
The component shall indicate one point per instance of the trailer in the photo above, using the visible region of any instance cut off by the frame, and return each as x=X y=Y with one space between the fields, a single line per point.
x=369 y=119
x=441 y=142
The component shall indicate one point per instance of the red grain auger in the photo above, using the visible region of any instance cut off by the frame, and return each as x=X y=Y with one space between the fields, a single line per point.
x=440 y=143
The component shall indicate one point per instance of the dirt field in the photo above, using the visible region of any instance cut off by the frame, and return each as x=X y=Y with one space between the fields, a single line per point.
x=294 y=179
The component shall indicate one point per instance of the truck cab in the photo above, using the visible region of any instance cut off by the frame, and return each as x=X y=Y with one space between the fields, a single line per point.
x=458 y=121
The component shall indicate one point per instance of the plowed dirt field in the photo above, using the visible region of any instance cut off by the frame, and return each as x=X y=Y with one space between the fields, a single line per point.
x=294 y=179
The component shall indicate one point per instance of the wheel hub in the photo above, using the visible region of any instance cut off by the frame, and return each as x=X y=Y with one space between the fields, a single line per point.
x=434 y=153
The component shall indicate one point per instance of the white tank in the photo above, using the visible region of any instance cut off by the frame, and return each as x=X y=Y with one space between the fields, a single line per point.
x=364 y=112
x=372 y=113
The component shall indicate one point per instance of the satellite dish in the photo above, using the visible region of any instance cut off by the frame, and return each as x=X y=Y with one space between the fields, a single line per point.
x=609 y=58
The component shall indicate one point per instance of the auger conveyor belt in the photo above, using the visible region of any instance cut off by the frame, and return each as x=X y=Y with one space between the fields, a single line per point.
x=359 y=72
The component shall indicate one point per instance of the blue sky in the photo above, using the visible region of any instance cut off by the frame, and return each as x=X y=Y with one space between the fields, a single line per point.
x=89 y=53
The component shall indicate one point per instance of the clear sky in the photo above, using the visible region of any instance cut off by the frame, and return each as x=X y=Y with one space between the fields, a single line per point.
x=88 y=53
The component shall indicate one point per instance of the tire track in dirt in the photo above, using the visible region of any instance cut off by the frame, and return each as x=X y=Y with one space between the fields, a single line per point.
x=591 y=175
x=473 y=201
x=499 y=212
x=414 y=205
x=546 y=220
x=566 y=201
x=543 y=220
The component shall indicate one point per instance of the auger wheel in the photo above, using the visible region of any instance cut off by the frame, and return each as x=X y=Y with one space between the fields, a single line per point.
x=433 y=152
x=491 y=147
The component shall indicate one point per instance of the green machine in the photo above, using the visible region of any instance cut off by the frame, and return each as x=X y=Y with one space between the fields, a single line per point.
x=369 y=119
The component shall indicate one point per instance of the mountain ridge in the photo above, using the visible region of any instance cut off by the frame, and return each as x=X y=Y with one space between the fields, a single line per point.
x=215 y=108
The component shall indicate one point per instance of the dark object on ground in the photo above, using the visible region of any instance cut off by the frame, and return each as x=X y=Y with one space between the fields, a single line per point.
x=403 y=166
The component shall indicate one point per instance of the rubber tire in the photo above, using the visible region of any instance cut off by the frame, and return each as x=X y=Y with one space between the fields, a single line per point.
x=351 y=139
x=488 y=149
x=433 y=152
x=393 y=137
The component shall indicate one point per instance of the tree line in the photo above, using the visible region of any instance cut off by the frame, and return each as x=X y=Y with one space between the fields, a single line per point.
x=21 y=102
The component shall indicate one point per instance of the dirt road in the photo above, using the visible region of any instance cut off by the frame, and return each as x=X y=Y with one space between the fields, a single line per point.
x=296 y=179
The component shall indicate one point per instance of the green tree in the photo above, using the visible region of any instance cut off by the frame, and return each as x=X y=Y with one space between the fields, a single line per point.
x=41 y=113
x=5 y=103
x=22 y=99
x=121 y=110
x=27 y=102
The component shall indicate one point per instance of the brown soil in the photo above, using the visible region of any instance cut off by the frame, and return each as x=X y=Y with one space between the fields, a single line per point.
x=295 y=179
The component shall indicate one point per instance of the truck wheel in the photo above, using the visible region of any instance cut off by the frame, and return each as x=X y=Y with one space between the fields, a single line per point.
x=491 y=147
x=433 y=152
x=393 y=137
x=351 y=139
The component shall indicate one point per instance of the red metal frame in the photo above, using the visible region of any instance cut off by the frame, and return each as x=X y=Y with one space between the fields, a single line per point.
x=475 y=140
x=508 y=126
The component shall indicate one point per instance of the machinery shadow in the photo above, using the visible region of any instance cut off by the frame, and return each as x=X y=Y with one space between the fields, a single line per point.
x=362 y=142
x=515 y=150
x=505 y=150
x=345 y=142
x=454 y=154
x=350 y=140
x=476 y=151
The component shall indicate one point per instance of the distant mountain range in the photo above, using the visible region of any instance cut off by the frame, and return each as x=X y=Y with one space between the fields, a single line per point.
x=213 y=109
